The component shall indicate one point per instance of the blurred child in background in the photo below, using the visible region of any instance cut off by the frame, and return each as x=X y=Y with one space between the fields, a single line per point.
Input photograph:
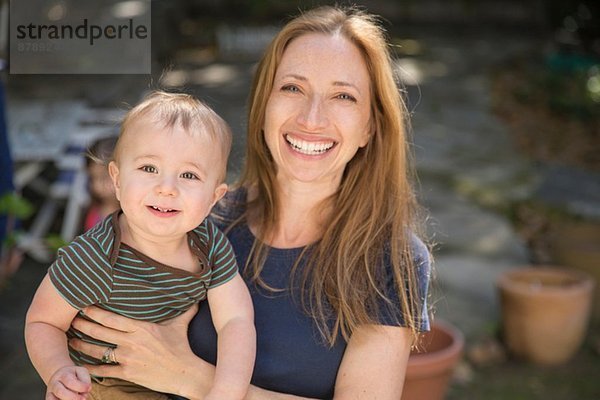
x=102 y=192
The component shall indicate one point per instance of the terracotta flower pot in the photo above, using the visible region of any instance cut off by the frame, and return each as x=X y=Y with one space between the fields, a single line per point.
x=545 y=312
x=430 y=367
x=576 y=244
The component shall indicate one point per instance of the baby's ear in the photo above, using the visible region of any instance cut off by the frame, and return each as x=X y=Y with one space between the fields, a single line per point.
x=220 y=192
x=113 y=171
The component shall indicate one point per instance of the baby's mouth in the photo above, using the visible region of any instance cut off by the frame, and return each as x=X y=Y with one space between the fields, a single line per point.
x=163 y=210
x=309 y=148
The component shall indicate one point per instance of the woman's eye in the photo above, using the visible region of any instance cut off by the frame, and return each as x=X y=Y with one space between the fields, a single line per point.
x=189 y=175
x=149 y=168
x=290 y=88
x=346 y=96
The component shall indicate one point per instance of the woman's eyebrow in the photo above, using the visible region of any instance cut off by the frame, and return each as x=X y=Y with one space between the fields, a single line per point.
x=347 y=84
x=294 y=76
x=335 y=83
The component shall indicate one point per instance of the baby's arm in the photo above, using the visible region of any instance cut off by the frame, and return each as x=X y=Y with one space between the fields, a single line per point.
x=48 y=318
x=233 y=318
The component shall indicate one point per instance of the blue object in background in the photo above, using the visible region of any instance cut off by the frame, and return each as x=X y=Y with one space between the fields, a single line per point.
x=6 y=165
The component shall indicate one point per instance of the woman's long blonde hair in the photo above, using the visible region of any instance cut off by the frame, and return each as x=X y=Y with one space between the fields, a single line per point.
x=343 y=284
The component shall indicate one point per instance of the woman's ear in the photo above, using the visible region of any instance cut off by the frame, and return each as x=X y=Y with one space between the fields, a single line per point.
x=368 y=136
x=113 y=171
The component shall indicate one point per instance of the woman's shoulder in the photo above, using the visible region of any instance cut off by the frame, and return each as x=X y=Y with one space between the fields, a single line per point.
x=419 y=250
x=420 y=256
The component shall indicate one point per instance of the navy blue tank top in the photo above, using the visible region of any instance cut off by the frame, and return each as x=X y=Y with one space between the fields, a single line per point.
x=291 y=355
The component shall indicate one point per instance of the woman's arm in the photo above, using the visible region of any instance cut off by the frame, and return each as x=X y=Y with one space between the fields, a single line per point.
x=158 y=356
x=373 y=366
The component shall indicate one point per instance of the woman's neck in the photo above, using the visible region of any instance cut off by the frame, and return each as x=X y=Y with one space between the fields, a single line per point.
x=302 y=213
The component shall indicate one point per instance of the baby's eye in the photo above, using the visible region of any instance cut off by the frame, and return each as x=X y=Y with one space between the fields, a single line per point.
x=346 y=96
x=149 y=168
x=189 y=175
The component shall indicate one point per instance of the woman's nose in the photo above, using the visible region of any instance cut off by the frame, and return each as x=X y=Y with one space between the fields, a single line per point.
x=313 y=115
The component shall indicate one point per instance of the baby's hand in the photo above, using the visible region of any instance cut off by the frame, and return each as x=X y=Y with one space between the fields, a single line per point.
x=69 y=383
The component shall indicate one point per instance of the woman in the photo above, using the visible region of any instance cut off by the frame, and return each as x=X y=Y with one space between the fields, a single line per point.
x=322 y=224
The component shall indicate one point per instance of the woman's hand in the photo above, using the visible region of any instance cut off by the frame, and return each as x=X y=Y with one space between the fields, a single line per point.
x=154 y=355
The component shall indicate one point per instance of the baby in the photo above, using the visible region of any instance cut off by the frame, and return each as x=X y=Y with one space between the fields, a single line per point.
x=154 y=258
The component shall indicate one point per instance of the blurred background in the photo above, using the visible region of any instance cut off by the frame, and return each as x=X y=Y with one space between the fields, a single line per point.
x=505 y=116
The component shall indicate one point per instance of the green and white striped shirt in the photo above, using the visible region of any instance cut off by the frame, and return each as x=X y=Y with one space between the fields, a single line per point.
x=98 y=269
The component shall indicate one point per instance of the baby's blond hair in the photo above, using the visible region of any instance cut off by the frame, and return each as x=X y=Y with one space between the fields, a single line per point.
x=185 y=111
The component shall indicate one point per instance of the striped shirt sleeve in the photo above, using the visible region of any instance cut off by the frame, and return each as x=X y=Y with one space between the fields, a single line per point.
x=82 y=274
x=222 y=258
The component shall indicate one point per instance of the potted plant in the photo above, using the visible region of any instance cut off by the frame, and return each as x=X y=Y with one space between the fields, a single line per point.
x=545 y=312
x=431 y=364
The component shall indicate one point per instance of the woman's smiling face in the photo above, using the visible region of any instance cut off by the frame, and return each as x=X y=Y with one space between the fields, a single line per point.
x=319 y=110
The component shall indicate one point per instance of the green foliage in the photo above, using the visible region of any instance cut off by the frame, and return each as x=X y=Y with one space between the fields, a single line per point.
x=564 y=86
x=12 y=204
x=55 y=242
x=11 y=239
x=569 y=88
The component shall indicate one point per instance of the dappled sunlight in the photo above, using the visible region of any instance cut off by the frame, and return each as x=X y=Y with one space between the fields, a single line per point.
x=407 y=47
x=214 y=75
x=200 y=56
x=57 y=11
x=415 y=72
x=410 y=71
x=210 y=76
x=174 y=78
x=129 y=9
x=593 y=83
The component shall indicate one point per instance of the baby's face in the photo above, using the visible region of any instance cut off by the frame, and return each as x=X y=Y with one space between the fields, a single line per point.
x=166 y=179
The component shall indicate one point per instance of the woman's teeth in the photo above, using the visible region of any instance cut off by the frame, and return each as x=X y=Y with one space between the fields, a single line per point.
x=310 y=148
